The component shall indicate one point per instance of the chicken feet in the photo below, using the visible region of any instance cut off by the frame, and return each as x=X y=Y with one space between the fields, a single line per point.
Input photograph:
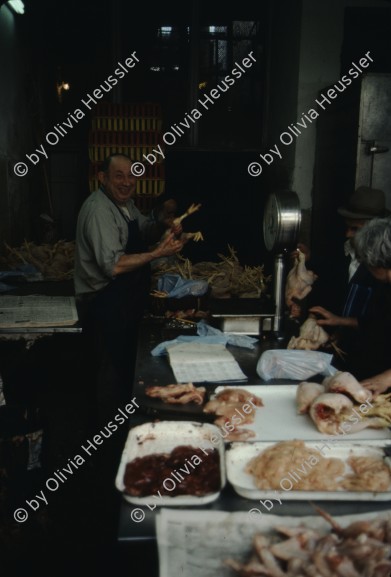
x=192 y=208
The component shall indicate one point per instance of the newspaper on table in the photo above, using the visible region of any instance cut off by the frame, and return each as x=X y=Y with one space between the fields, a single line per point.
x=199 y=362
x=196 y=543
x=37 y=311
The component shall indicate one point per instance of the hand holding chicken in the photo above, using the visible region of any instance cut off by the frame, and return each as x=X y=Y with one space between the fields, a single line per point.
x=311 y=336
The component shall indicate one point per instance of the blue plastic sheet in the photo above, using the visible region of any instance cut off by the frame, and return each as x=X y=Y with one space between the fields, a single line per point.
x=26 y=270
x=177 y=287
x=161 y=349
x=208 y=335
x=203 y=329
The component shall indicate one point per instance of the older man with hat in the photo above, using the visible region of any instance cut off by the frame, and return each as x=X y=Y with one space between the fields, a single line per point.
x=357 y=284
x=363 y=205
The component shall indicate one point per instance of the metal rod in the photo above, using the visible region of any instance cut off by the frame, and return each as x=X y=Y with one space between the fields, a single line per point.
x=278 y=290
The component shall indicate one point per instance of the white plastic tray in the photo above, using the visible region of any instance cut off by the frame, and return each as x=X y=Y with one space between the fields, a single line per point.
x=163 y=437
x=241 y=453
x=278 y=419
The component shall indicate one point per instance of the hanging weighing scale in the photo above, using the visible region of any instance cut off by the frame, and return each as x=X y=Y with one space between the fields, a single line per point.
x=281 y=225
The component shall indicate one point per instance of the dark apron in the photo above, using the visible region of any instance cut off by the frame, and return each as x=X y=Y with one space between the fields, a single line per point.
x=126 y=294
x=114 y=313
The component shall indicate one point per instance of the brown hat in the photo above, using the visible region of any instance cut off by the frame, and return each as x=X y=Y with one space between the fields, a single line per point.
x=365 y=203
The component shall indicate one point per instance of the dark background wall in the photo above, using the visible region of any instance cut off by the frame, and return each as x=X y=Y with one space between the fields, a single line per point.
x=301 y=47
x=15 y=129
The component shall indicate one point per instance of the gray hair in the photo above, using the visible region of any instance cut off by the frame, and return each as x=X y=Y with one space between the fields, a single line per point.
x=373 y=243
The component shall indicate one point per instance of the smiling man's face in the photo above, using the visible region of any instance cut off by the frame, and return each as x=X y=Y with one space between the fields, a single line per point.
x=118 y=181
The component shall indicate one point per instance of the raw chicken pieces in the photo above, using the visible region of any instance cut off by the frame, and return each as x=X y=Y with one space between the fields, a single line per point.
x=333 y=411
x=359 y=549
x=345 y=383
x=333 y=406
x=306 y=393
x=326 y=409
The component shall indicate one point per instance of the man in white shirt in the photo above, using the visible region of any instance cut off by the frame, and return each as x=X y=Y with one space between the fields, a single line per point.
x=112 y=273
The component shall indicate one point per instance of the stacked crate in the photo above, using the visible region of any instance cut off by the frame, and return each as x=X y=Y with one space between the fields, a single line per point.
x=134 y=130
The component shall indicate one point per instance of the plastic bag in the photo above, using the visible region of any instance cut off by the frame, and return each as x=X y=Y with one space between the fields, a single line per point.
x=209 y=335
x=203 y=329
x=178 y=287
x=26 y=271
x=294 y=364
x=161 y=348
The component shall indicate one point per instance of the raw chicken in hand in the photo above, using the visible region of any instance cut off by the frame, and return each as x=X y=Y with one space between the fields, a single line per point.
x=196 y=236
x=299 y=280
x=311 y=336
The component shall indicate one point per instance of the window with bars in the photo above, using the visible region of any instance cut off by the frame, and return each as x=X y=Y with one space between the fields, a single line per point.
x=235 y=118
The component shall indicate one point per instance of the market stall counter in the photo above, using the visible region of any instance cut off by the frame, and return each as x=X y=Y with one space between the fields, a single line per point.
x=28 y=310
x=38 y=326
x=156 y=370
x=276 y=421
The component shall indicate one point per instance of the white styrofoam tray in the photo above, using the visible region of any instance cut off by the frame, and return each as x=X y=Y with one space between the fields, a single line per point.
x=278 y=419
x=163 y=437
x=241 y=453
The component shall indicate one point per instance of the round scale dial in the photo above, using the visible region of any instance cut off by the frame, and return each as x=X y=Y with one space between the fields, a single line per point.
x=281 y=220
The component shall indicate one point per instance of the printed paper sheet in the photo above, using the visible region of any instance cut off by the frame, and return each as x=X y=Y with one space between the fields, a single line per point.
x=37 y=311
x=200 y=362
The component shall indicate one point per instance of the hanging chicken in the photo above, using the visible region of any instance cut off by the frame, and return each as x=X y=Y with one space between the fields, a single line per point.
x=299 y=281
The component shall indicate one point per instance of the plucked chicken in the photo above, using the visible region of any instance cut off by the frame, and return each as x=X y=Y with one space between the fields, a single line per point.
x=196 y=236
x=311 y=336
x=178 y=394
x=306 y=393
x=346 y=383
x=333 y=414
x=333 y=405
x=299 y=280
